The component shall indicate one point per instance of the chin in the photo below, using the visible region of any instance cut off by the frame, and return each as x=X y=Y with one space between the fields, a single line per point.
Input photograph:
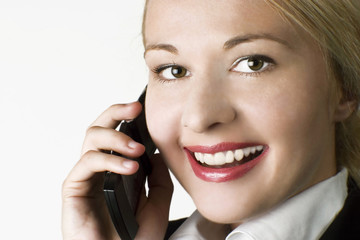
x=220 y=210
x=223 y=216
x=231 y=203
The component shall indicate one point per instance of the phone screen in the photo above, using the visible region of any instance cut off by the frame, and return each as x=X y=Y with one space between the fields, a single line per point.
x=122 y=192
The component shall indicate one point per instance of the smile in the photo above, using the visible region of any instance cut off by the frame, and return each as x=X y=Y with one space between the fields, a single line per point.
x=228 y=157
x=225 y=161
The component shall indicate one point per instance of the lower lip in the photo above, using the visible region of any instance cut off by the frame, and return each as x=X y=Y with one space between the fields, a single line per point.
x=222 y=174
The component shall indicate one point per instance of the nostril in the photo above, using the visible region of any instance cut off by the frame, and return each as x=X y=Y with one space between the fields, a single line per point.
x=197 y=125
x=207 y=109
x=208 y=119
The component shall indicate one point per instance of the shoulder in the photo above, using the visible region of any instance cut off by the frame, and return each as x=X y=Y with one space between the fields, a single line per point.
x=346 y=224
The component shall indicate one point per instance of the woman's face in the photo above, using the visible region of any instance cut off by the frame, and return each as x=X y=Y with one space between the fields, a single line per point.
x=236 y=87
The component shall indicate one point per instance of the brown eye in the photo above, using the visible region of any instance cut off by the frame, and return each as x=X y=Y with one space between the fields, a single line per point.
x=178 y=71
x=255 y=64
x=171 y=72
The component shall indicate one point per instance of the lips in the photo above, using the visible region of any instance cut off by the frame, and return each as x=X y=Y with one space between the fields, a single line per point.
x=225 y=161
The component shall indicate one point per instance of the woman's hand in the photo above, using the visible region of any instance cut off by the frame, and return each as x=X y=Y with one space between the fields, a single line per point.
x=84 y=211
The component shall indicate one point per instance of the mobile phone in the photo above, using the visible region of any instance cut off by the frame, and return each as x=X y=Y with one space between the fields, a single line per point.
x=122 y=192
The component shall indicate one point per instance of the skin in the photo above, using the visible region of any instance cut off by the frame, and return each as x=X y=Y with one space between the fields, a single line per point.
x=289 y=106
x=84 y=213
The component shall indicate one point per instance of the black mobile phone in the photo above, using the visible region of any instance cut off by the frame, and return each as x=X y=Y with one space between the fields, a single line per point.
x=122 y=192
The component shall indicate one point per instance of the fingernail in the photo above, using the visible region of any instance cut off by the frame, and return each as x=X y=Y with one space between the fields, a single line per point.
x=128 y=164
x=132 y=144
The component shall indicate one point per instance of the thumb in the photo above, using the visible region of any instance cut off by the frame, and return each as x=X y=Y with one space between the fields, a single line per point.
x=154 y=215
x=160 y=184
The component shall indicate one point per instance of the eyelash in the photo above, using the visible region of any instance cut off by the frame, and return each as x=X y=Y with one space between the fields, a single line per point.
x=159 y=69
x=265 y=59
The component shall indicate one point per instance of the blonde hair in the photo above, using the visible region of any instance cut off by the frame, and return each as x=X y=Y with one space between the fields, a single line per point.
x=335 y=25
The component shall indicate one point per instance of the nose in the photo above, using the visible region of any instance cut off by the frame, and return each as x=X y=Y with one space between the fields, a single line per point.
x=207 y=105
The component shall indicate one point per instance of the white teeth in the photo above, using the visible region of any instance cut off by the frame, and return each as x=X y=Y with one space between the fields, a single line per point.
x=239 y=154
x=259 y=148
x=229 y=157
x=247 y=151
x=209 y=159
x=221 y=158
x=253 y=150
x=199 y=157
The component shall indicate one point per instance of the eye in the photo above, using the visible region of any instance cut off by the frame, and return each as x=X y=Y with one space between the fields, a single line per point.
x=252 y=64
x=171 y=72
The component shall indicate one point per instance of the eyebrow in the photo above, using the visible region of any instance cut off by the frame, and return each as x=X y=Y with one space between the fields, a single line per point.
x=162 y=46
x=227 y=45
x=250 y=37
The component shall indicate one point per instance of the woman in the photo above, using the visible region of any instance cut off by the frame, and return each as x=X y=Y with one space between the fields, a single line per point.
x=253 y=106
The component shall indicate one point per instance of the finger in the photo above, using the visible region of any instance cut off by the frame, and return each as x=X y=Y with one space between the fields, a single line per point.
x=106 y=139
x=160 y=184
x=153 y=217
x=112 y=116
x=93 y=162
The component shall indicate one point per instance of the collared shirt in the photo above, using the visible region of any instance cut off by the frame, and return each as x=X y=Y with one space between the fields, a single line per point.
x=305 y=216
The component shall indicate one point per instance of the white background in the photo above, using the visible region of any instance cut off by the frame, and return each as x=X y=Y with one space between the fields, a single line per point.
x=61 y=64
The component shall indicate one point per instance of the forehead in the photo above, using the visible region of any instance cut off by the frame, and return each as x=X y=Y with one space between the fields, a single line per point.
x=169 y=20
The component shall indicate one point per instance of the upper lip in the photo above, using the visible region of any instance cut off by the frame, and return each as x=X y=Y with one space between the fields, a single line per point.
x=220 y=147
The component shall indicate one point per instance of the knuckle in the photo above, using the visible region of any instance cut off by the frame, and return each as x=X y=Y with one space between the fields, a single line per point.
x=87 y=157
x=101 y=158
x=120 y=139
x=67 y=189
x=91 y=130
x=106 y=160
x=116 y=139
x=64 y=186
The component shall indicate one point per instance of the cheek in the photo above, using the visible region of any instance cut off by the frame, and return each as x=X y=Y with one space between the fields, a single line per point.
x=163 y=120
x=299 y=128
x=162 y=123
x=297 y=104
x=301 y=131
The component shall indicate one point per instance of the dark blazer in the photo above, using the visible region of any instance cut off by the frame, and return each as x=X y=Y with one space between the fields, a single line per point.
x=346 y=225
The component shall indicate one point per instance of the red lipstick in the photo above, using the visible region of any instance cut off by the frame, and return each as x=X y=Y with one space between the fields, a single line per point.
x=218 y=173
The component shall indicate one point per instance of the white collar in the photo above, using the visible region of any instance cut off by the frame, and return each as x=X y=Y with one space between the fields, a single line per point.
x=303 y=217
